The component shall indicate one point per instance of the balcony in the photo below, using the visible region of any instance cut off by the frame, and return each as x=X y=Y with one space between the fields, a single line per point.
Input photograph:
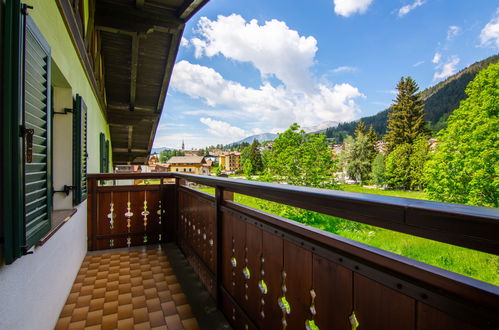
x=265 y=272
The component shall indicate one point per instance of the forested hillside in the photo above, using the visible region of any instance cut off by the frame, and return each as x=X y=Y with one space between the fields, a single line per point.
x=440 y=100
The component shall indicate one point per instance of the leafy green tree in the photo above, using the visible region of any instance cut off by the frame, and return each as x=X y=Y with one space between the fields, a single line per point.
x=357 y=157
x=301 y=160
x=255 y=157
x=406 y=117
x=464 y=168
x=378 y=170
x=418 y=159
x=398 y=167
x=247 y=169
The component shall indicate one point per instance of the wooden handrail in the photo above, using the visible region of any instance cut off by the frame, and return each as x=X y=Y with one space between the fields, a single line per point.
x=462 y=225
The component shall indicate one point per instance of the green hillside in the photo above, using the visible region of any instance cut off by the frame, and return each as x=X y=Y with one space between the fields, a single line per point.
x=440 y=100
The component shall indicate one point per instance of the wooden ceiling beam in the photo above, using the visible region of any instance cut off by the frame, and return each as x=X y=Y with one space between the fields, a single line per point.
x=133 y=70
x=139 y=3
x=128 y=18
x=189 y=8
x=130 y=136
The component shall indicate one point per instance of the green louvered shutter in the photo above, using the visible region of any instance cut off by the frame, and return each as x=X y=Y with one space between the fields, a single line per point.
x=102 y=151
x=106 y=153
x=37 y=135
x=79 y=150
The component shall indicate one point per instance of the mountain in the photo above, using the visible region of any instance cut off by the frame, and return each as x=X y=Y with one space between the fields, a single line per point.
x=158 y=150
x=260 y=137
x=440 y=100
x=320 y=127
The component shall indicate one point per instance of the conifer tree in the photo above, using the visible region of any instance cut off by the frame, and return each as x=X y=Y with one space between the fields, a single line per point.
x=406 y=118
x=360 y=129
x=373 y=142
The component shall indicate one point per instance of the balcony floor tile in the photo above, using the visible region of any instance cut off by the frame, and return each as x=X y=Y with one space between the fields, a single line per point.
x=127 y=289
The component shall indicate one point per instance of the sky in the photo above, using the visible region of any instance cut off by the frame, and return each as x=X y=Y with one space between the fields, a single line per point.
x=251 y=67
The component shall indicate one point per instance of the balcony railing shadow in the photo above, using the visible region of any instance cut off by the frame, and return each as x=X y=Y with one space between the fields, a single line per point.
x=268 y=272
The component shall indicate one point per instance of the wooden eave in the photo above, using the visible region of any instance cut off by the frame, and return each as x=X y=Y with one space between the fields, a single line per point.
x=139 y=41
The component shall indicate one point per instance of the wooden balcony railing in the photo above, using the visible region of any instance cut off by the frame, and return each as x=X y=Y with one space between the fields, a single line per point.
x=267 y=272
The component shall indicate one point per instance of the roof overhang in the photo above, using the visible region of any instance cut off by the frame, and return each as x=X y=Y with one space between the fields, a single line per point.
x=139 y=41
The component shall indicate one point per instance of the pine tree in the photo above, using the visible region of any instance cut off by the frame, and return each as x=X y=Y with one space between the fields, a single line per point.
x=360 y=129
x=373 y=142
x=406 y=118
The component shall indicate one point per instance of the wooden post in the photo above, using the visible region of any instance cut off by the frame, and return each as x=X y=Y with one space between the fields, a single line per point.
x=92 y=214
x=220 y=197
x=177 y=211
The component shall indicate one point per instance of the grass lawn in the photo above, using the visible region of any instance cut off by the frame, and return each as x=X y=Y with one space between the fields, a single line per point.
x=464 y=261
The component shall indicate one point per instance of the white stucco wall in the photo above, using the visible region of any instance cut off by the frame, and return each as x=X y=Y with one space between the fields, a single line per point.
x=34 y=288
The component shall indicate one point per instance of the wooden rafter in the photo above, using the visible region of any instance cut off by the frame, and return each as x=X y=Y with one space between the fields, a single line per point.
x=133 y=71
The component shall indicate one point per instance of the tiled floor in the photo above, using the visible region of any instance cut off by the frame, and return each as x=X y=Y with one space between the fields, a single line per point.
x=127 y=290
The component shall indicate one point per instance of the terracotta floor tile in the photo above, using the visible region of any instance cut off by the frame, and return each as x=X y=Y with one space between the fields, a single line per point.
x=112 y=286
x=137 y=291
x=179 y=299
x=148 y=283
x=79 y=314
x=125 y=311
x=165 y=296
x=168 y=308
x=76 y=287
x=139 y=302
x=110 y=307
x=184 y=311
x=173 y=322
x=110 y=321
x=98 y=293
x=125 y=299
x=190 y=324
x=153 y=304
x=127 y=290
x=72 y=298
x=94 y=317
x=157 y=319
x=96 y=304
x=126 y=324
x=63 y=323
x=76 y=325
x=150 y=293
x=111 y=295
x=67 y=310
x=140 y=315
x=142 y=326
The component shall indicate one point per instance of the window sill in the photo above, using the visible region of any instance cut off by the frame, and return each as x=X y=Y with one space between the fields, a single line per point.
x=59 y=218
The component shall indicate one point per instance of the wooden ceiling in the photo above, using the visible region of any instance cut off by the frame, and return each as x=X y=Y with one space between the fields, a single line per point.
x=139 y=43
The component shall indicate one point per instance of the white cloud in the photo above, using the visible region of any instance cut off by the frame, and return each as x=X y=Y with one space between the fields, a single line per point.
x=347 y=8
x=408 y=8
x=273 y=48
x=418 y=64
x=275 y=106
x=489 y=36
x=224 y=129
x=345 y=69
x=453 y=32
x=436 y=58
x=447 y=69
x=184 y=42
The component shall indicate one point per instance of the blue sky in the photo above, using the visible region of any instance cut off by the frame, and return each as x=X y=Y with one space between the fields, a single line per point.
x=248 y=67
